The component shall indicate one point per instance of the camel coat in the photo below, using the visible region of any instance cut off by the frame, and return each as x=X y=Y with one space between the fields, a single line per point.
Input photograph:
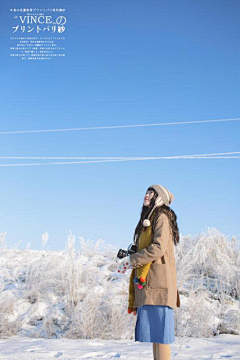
x=161 y=286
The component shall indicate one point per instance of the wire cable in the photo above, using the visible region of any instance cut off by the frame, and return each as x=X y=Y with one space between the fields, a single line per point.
x=115 y=127
x=126 y=159
x=109 y=157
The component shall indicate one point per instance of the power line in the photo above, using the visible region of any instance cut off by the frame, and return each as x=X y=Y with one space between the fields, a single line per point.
x=128 y=159
x=111 y=157
x=115 y=127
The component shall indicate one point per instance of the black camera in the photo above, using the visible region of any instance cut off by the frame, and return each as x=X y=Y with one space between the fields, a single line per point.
x=132 y=249
x=123 y=253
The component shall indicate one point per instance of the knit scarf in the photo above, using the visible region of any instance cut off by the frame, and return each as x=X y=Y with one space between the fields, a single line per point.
x=144 y=240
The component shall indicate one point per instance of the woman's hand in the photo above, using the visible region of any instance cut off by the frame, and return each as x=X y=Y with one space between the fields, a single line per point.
x=124 y=264
x=134 y=311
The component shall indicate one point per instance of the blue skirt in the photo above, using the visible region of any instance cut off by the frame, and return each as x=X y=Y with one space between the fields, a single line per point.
x=155 y=323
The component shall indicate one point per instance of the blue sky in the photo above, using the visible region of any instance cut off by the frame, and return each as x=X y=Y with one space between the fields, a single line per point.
x=126 y=63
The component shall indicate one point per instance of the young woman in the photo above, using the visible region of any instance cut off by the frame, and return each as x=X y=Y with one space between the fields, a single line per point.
x=153 y=292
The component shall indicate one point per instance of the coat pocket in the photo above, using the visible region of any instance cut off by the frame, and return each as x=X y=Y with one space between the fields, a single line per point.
x=157 y=277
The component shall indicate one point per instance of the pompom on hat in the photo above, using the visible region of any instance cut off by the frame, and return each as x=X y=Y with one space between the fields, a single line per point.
x=164 y=196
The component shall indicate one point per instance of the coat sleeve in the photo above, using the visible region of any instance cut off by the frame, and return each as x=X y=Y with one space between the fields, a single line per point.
x=158 y=247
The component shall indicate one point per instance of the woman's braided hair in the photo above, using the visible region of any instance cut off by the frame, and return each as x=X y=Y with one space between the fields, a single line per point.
x=144 y=213
x=160 y=209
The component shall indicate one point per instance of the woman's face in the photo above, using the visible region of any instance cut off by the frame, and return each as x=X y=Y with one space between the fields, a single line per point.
x=147 y=198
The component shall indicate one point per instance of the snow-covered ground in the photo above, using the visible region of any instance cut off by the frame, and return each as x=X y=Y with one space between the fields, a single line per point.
x=222 y=346
x=72 y=304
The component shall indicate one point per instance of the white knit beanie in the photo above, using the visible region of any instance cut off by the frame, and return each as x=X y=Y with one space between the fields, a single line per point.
x=164 y=197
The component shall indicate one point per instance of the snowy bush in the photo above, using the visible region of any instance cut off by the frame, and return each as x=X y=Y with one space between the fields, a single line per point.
x=79 y=293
